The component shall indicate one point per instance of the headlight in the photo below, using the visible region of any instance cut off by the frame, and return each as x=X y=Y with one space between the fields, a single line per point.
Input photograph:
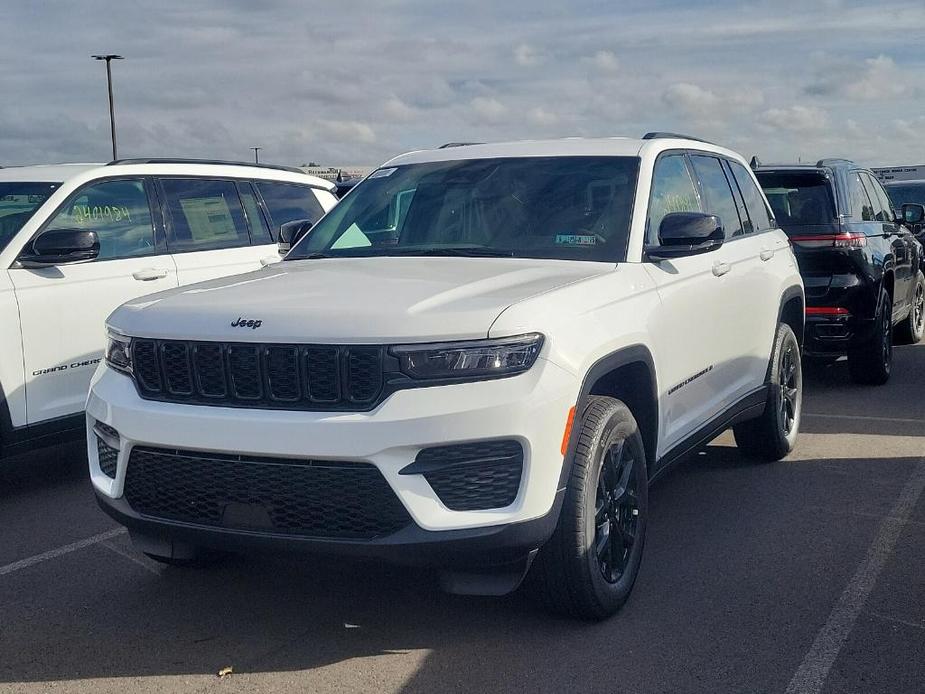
x=119 y=351
x=474 y=359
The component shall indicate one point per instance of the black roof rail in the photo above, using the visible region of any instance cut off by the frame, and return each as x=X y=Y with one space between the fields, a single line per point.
x=459 y=144
x=223 y=162
x=833 y=161
x=660 y=135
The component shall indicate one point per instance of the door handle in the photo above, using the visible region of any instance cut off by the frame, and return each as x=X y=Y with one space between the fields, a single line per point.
x=720 y=269
x=766 y=253
x=149 y=273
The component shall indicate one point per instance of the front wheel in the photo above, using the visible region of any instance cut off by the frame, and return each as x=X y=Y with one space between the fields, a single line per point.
x=773 y=435
x=588 y=567
x=910 y=331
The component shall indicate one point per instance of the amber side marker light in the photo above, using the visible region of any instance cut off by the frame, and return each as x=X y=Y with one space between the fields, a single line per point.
x=568 y=429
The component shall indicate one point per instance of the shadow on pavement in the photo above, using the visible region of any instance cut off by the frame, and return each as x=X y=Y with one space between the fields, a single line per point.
x=735 y=552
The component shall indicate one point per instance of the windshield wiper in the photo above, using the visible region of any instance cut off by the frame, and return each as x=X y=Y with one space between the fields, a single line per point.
x=455 y=251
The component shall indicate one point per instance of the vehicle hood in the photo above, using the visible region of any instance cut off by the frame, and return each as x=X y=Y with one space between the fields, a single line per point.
x=351 y=300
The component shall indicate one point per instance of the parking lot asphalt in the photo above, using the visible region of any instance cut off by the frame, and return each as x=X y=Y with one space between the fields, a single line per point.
x=801 y=576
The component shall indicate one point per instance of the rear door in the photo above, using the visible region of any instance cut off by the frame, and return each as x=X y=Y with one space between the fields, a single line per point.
x=900 y=239
x=209 y=233
x=63 y=309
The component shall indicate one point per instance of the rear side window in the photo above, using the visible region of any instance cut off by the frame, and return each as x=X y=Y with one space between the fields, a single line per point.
x=260 y=233
x=883 y=208
x=673 y=190
x=798 y=198
x=203 y=215
x=759 y=219
x=287 y=202
x=861 y=208
x=719 y=199
x=117 y=211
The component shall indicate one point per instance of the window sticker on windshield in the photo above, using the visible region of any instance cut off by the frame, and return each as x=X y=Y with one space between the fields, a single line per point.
x=382 y=173
x=576 y=240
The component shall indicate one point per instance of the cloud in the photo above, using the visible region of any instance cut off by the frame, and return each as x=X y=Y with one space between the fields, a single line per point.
x=488 y=108
x=526 y=55
x=360 y=85
x=605 y=61
x=799 y=119
x=874 y=79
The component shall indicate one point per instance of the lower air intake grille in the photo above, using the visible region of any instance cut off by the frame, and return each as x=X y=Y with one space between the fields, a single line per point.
x=324 y=499
x=473 y=476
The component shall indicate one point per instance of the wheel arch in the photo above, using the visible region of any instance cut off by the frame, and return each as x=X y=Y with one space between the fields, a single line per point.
x=792 y=311
x=629 y=375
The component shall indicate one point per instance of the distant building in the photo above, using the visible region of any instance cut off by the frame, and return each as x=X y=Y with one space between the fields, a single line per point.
x=900 y=173
x=330 y=173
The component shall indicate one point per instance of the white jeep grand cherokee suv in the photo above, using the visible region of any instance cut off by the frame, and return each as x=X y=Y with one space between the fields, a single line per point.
x=479 y=361
x=77 y=240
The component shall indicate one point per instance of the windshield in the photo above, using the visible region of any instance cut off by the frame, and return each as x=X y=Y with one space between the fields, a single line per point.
x=574 y=208
x=901 y=193
x=18 y=202
x=799 y=198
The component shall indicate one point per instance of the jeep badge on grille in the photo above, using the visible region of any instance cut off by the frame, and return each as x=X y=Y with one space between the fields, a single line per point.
x=246 y=323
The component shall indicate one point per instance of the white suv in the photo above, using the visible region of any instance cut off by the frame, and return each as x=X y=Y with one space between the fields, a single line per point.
x=477 y=361
x=77 y=240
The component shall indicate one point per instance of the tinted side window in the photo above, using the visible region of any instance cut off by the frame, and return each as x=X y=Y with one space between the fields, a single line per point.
x=289 y=201
x=719 y=199
x=119 y=214
x=673 y=190
x=883 y=208
x=759 y=218
x=260 y=232
x=861 y=207
x=203 y=215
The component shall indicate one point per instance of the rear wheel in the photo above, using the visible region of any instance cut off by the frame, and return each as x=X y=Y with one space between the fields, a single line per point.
x=588 y=567
x=872 y=363
x=910 y=331
x=773 y=435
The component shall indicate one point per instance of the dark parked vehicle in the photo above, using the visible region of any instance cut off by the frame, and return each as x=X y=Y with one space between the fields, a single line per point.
x=902 y=192
x=860 y=264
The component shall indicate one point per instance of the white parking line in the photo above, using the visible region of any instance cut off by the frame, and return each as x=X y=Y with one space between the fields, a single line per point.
x=66 y=549
x=126 y=555
x=865 y=418
x=813 y=671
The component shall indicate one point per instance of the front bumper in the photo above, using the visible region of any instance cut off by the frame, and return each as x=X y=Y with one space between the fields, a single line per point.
x=530 y=408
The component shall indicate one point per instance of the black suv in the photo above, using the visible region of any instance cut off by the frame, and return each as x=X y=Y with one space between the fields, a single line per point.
x=859 y=264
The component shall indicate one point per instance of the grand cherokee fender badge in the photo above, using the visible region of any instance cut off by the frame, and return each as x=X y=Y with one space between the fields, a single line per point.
x=246 y=323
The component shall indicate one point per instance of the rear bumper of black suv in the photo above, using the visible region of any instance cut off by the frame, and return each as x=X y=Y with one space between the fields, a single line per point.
x=834 y=335
x=485 y=560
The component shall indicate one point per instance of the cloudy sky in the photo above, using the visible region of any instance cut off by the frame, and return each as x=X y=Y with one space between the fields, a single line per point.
x=358 y=82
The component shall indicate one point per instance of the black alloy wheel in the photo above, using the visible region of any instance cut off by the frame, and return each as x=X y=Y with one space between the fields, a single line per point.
x=616 y=514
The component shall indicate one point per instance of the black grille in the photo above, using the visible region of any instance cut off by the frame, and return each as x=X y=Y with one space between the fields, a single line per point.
x=290 y=496
x=308 y=377
x=472 y=476
x=106 y=454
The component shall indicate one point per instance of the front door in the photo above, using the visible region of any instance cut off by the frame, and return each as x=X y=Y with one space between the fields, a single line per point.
x=63 y=309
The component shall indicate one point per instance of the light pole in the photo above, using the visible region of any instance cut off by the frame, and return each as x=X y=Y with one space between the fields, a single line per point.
x=112 y=115
x=256 y=149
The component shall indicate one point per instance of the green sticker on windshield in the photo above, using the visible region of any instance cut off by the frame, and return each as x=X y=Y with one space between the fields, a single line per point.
x=576 y=240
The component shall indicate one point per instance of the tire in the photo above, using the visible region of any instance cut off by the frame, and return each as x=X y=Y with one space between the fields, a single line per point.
x=910 y=331
x=773 y=435
x=872 y=363
x=588 y=567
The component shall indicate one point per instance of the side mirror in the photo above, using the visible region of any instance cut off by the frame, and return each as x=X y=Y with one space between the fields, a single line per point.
x=62 y=246
x=913 y=213
x=687 y=233
x=291 y=232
